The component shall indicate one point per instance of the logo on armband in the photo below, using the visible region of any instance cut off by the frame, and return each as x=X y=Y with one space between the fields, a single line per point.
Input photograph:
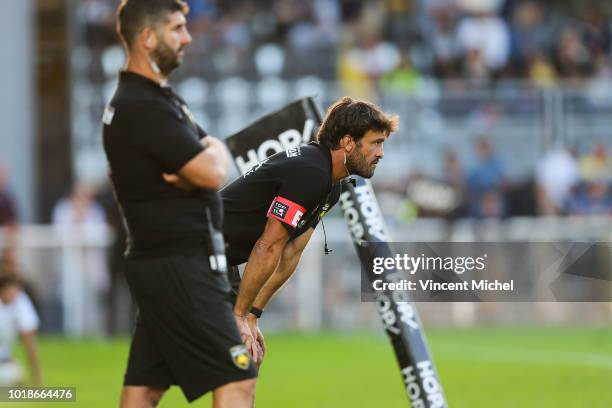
x=280 y=209
x=286 y=211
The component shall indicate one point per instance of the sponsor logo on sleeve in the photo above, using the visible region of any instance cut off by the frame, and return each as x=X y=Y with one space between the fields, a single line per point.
x=293 y=152
x=286 y=211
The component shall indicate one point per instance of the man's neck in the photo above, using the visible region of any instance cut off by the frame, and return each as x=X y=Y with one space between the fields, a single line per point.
x=143 y=66
x=339 y=170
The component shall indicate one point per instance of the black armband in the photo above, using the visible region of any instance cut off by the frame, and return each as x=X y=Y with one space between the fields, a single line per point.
x=256 y=311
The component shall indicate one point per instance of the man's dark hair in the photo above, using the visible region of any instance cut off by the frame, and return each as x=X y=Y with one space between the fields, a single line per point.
x=134 y=15
x=8 y=280
x=353 y=117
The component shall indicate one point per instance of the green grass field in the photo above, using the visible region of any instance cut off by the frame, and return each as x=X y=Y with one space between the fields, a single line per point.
x=486 y=367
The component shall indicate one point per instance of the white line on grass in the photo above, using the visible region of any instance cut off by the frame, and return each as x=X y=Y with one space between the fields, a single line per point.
x=523 y=355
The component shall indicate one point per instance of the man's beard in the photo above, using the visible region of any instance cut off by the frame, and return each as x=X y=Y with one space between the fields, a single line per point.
x=356 y=163
x=166 y=59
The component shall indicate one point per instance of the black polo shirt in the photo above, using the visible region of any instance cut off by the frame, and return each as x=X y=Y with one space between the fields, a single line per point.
x=148 y=130
x=294 y=187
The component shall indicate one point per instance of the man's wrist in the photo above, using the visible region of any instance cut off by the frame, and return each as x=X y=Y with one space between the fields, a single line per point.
x=240 y=315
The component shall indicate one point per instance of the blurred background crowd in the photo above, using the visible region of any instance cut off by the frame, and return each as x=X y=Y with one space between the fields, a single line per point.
x=505 y=105
x=489 y=60
x=389 y=45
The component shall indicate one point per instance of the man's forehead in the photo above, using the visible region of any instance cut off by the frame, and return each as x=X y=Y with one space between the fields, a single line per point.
x=375 y=134
x=176 y=18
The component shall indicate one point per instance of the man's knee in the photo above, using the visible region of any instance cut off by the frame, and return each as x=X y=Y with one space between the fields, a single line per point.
x=244 y=388
x=154 y=395
x=141 y=396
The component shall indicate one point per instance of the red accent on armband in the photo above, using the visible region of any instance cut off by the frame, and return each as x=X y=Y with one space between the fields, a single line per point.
x=286 y=211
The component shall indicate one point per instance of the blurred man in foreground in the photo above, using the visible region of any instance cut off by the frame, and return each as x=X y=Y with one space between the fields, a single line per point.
x=175 y=262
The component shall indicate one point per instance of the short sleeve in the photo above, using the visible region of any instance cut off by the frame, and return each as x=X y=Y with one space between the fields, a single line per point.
x=300 y=192
x=163 y=135
x=201 y=132
x=26 y=317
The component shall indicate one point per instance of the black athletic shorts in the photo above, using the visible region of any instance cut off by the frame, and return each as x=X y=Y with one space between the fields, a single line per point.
x=185 y=332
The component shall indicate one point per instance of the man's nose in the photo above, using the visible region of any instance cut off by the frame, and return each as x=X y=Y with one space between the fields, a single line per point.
x=186 y=38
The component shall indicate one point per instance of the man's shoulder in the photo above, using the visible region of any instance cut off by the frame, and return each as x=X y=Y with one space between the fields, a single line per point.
x=307 y=157
x=136 y=102
x=136 y=110
x=136 y=97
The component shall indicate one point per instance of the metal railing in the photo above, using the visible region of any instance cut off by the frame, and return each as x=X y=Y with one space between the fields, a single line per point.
x=325 y=291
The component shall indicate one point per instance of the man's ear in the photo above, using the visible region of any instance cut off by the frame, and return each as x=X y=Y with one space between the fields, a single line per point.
x=148 y=39
x=347 y=143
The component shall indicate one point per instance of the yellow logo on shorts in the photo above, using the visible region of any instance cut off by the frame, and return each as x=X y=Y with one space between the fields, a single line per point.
x=240 y=356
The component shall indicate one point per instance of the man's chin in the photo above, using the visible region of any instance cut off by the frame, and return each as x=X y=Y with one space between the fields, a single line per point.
x=366 y=175
x=170 y=69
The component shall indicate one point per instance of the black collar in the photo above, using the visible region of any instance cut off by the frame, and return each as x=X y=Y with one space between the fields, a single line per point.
x=131 y=77
x=327 y=154
x=134 y=78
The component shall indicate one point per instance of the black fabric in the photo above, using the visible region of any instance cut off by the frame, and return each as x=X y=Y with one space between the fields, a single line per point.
x=148 y=130
x=301 y=175
x=234 y=277
x=185 y=328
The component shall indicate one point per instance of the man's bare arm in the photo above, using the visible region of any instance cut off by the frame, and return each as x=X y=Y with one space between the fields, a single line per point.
x=286 y=267
x=207 y=170
x=29 y=342
x=263 y=260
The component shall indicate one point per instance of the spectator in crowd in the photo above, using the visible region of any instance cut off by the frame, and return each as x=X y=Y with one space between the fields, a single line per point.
x=475 y=69
x=9 y=266
x=484 y=36
x=556 y=175
x=17 y=318
x=486 y=183
x=453 y=171
x=530 y=36
x=443 y=41
x=572 y=57
x=597 y=165
x=603 y=68
x=404 y=79
x=454 y=176
x=8 y=216
x=98 y=18
x=81 y=214
x=591 y=198
x=540 y=71
x=597 y=33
